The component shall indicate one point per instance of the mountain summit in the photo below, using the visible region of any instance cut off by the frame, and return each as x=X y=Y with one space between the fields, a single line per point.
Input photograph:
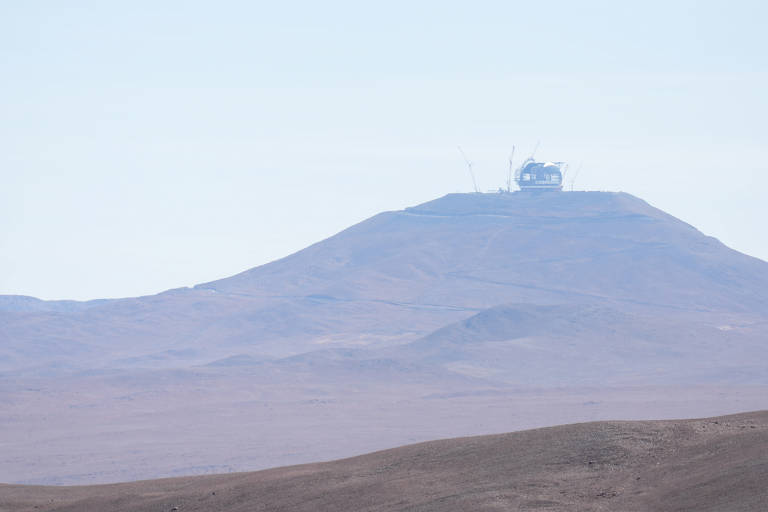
x=400 y=275
x=478 y=250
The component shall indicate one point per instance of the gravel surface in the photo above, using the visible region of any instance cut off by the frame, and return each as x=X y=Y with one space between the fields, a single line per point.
x=714 y=464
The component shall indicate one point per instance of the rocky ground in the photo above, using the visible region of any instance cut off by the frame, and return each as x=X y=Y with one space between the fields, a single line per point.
x=713 y=464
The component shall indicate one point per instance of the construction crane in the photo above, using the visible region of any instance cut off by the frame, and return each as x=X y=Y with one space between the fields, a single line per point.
x=471 y=172
x=509 y=176
x=534 y=149
x=573 y=178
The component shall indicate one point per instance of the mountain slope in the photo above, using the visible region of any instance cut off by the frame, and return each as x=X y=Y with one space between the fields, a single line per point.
x=400 y=275
x=710 y=464
x=584 y=344
x=479 y=250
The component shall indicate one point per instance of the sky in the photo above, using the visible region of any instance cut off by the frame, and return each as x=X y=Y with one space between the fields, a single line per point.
x=153 y=145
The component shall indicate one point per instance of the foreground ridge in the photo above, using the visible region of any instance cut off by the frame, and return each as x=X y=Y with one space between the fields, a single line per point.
x=701 y=464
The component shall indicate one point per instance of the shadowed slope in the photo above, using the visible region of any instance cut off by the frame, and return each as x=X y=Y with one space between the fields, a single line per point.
x=704 y=465
x=583 y=344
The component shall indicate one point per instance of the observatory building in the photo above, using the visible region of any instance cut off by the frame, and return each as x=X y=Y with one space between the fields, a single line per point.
x=533 y=175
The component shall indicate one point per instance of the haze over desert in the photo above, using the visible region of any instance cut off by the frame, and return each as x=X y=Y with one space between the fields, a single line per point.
x=397 y=257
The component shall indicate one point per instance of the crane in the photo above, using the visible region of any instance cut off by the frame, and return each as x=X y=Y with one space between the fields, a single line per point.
x=575 y=175
x=509 y=176
x=534 y=149
x=471 y=172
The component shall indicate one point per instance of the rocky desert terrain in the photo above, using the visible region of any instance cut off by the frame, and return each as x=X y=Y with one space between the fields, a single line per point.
x=714 y=464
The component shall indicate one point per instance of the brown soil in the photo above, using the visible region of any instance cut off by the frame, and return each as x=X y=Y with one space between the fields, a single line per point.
x=715 y=464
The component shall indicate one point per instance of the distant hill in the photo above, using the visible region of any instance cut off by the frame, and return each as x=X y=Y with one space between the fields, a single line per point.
x=480 y=250
x=713 y=464
x=583 y=344
x=399 y=276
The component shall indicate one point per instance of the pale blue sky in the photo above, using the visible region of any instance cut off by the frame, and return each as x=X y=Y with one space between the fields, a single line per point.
x=152 y=145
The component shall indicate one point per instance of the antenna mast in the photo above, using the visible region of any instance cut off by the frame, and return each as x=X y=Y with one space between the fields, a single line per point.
x=509 y=176
x=471 y=172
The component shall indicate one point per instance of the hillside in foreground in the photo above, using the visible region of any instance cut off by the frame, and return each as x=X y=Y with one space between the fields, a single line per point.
x=712 y=464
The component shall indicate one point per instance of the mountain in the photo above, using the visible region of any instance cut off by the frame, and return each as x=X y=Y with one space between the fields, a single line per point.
x=470 y=314
x=473 y=251
x=400 y=275
x=711 y=464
